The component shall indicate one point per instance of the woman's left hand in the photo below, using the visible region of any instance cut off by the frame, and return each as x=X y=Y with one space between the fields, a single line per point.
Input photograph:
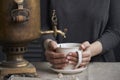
x=86 y=55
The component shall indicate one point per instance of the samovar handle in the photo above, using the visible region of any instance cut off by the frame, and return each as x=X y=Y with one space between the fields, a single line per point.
x=21 y=14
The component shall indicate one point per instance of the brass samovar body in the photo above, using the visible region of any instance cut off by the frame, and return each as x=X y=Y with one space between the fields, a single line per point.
x=14 y=31
x=20 y=24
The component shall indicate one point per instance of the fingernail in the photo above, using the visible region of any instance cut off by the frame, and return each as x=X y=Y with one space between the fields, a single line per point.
x=70 y=54
x=68 y=57
x=83 y=46
x=70 y=62
x=66 y=60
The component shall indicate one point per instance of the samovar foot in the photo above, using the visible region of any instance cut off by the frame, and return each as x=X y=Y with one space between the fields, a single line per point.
x=28 y=70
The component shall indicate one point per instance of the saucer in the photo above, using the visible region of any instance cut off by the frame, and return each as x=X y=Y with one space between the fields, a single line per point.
x=69 y=71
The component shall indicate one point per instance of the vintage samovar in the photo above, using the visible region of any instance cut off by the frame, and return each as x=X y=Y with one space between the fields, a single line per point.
x=19 y=25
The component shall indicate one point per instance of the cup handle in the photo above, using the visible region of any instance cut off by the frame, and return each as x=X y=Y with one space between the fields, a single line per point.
x=79 y=52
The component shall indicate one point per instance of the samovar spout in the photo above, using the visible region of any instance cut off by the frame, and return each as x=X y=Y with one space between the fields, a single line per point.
x=54 y=30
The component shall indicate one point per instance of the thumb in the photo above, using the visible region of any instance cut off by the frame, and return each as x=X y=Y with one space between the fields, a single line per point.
x=52 y=45
x=84 y=45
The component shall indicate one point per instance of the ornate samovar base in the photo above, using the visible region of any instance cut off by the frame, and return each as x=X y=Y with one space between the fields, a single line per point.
x=14 y=63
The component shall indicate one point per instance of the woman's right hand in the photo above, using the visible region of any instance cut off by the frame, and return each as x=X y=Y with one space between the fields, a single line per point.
x=58 y=60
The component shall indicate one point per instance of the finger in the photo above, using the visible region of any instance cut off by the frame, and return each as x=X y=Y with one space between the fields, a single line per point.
x=86 y=53
x=84 y=45
x=55 y=55
x=48 y=54
x=81 y=66
x=72 y=62
x=86 y=59
x=58 y=61
x=74 y=54
x=59 y=66
x=52 y=45
x=84 y=63
x=72 y=58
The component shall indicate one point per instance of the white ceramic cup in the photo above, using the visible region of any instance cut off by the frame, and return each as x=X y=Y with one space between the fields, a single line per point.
x=66 y=48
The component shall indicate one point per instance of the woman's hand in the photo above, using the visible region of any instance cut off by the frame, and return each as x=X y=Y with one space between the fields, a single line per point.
x=89 y=50
x=58 y=60
x=86 y=55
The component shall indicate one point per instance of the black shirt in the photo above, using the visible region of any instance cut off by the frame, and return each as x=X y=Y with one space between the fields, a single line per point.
x=88 y=20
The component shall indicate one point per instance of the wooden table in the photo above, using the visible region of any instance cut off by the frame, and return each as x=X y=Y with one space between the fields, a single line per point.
x=95 y=71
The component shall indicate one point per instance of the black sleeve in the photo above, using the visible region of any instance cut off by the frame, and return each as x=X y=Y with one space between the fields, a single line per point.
x=111 y=36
